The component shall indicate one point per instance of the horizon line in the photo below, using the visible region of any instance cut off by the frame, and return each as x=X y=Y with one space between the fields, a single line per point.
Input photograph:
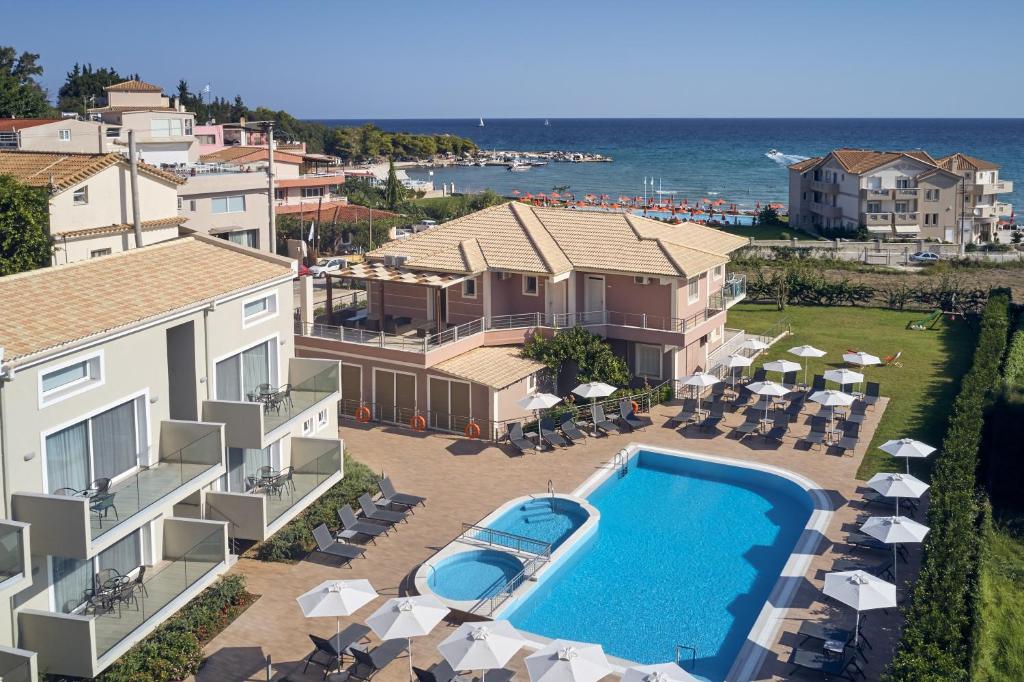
x=667 y=118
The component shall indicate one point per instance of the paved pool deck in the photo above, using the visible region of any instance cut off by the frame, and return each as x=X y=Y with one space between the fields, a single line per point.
x=465 y=480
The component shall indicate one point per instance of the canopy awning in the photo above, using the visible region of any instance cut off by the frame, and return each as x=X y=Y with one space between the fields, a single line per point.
x=880 y=229
x=907 y=229
x=379 y=272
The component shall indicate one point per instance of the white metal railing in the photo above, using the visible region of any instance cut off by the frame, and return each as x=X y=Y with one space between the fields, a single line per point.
x=10 y=140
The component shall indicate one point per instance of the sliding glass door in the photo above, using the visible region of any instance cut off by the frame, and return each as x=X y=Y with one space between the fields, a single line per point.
x=72 y=578
x=239 y=375
x=106 y=445
x=244 y=463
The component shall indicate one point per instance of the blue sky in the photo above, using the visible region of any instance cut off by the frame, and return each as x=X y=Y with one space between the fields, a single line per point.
x=559 y=58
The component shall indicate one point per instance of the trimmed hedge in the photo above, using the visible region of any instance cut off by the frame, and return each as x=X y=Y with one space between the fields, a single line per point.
x=1003 y=468
x=174 y=651
x=295 y=540
x=938 y=637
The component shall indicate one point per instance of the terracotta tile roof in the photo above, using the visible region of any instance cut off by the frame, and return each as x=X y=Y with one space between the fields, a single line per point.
x=49 y=308
x=11 y=124
x=312 y=181
x=962 y=162
x=147 y=225
x=494 y=366
x=241 y=155
x=801 y=166
x=520 y=238
x=133 y=86
x=122 y=108
x=39 y=169
x=333 y=211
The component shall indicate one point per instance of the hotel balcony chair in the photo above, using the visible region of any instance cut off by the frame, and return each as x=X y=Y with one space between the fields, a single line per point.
x=102 y=505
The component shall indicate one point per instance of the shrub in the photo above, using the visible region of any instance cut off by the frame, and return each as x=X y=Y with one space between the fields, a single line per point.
x=591 y=354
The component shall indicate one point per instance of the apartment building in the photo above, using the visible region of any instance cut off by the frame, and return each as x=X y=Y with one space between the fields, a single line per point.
x=164 y=134
x=143 y=433
x=898 y=195
x=91 y=201
x=449 y=307
x=53 y=135
x=226 y=201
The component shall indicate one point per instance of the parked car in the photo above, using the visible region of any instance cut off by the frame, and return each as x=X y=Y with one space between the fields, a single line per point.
x=924 y=257
x=302 y=270
x=326 y=265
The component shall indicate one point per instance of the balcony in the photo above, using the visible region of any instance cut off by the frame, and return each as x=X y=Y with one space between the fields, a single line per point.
x=77 y=525
x=877 y=222
x=15 y=565
x=824 y=186
x=995 y=210
x=1001 y=187
x=876 y=194
x=250 y=423
x=85 y=641
x=906 y=192
x=17 y=665
x=826 y=210
x=258 y=514
x=734 y=290
x=907 y=218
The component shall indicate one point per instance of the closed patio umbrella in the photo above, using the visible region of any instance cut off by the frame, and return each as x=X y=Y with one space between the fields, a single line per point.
x=861 y=359
x=832 y=398
x=659 y=672
x=481 y=646
x=565 y=661
x=700 y=381
x=860 y=591
x=898 y=485
x=895 y=530
x=906 y=448
x=407 y=617
x=806 y=352
x=844 y=377
x=767 y=389
x=336 y=598
x=736 y=360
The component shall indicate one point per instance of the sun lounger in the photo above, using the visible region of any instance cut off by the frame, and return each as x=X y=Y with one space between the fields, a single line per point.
x=602 y=423
x=632 y=419
x=864 y=541
x=519 y=440
x=858 y=412
x=375 y=513
x=326 y=544
x=570 y=430
x=906 y=503
x=389 y=496
x=817 y=434
x=743 y=398
x=549 y=435
x=714 y=418
x=834 y=666
x=751 y=423
x=879 y=569
x=818 y=383
x=872 y=393
x=330 y=652
x=351 y=527
x=687 y=413
x=794 y=408
x=780 y=427
x=789 y=380
x=851 y=436
x=368 y=663
x=759 y=375
x=817 y=631
x=439 y=672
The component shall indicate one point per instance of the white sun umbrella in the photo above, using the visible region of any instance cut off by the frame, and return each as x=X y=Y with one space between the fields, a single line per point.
x=782 y=366
x=736 y=360
x=860 y=591
x=336 y=598
x=806 y=352
x=407 y=617
x=594 y=390
x=700 y=381
x=659 y=672
x=754 y=344
x=898 y=485
x=481 y=646
x=832 y=398
x=906 y=448
x=767 y=389
x=844 y=377
x=565 y=661
x=538 y=402
x=895 y=530
x=861 y=358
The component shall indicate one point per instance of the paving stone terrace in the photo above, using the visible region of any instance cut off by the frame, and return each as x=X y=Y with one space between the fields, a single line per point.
x=465 y=480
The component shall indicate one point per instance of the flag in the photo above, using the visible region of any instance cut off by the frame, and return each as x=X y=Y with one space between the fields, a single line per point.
x=310 y=237
x=206 y=88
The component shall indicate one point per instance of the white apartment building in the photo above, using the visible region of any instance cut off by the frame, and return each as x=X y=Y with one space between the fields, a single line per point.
x=53 y=135
x=152 y=413
x=228 y=202
x=163 y=133
x=898 y=195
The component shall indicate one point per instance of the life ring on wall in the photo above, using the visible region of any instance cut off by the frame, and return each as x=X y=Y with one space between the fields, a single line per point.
x=635 y=406
x=363 y=414
x=418 y=423
x=472 y=430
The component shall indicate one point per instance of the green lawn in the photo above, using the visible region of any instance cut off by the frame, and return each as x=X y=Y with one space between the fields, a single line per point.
x=1001 y=638
x=767 y=232
x=921 y=392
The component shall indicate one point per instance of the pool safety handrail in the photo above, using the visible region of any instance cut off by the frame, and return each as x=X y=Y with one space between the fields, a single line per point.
x=551 y=489
x=492 y=602
x=693 y=655
x=499 y=538
x=621 y=462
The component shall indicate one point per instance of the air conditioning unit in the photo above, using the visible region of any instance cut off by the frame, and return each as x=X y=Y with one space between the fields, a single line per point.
x=643 y=280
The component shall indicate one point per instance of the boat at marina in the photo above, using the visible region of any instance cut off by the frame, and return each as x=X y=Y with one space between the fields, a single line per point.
x=518 y=166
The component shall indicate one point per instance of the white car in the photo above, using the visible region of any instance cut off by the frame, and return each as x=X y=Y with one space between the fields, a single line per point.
x=924 y=257
x=328 y=265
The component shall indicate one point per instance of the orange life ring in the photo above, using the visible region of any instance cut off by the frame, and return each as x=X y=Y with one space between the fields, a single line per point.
x=418 y=423
x=363 y=414
x=635 y=406
x=472 y=430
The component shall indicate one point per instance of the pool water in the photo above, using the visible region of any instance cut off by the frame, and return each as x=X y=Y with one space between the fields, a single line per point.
x=548 y=519
x=473 y=575
x=686 y=552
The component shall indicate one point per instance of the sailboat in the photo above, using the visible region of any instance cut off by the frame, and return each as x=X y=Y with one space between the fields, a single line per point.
x=481 y=123
x=547 y=122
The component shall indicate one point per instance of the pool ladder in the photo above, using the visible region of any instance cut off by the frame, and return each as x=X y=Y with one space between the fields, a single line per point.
x=621 y=462
x=693 y=655
x=551 y=488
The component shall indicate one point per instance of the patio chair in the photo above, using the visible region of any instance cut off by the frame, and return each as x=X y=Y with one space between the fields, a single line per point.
x=351 y=527
x=759 y=375
x=818 y=383
x=795 y=407
x=743 y=398
x=329 y=652
x=602 y=423
x=326 y=544
x=439 y=672
x=632 y=419
x=751 y=423
x=368 y=663
x=816 y=436
x=858 y=412
x=102 y=505
x=550 y=436
x=687 y=413
x=372 y=512
x=715 y=417
x=850 y=438
x=519 y=440
x=872 y=393
x=389 y=496
x=789 y=380
x=139 y=581
x=569 y=428
x=780 y=427
x=718 y=390
x=832 y=666
x=98 y=487
x=893 y=360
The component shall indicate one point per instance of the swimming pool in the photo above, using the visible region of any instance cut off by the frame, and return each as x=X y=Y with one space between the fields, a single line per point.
x=732 y=219
x=469 y=576
x=549 y=519
x=687 y=551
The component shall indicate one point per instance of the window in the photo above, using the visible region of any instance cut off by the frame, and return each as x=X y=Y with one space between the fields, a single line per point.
x=188 y=126
x=321 y=419
x=469 y=288
x=902 y=183
x=280 y=194
x=180 y=203
x=113 y=132
x=309 y=192
x=206 y=139
x=931 y=195
x=718 y=271
x=530 y=285
x=259 y=309
x=648 y=361
x=240 y=375
x=250 y=238
x=927 y=218
x=244 y=466
x=72 y=375
x=72 y=578
x=902 y=207
x=531 y=383
x=96 y=253
x=235 y=204
x=935 y=218
x=692 y=289
x=64 y=135
x=166 y=127
x=874 y=207
x=192 y=205
x=80 y=197
x=307 y=427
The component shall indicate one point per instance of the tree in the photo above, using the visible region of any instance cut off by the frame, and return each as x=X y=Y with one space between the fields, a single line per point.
x=84 y=87
x=591 y=354
x=20 y=95
x=24 y=227
x=393 y=190
x=768 y=216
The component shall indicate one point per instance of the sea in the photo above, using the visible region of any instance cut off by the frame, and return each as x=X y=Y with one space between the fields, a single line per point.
x=703 y=157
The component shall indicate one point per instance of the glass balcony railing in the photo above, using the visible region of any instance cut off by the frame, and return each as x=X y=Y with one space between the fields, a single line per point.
x=288 y=401
x=128 y=608
x=16 y=672
x=303 y=479
x=12 y=553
